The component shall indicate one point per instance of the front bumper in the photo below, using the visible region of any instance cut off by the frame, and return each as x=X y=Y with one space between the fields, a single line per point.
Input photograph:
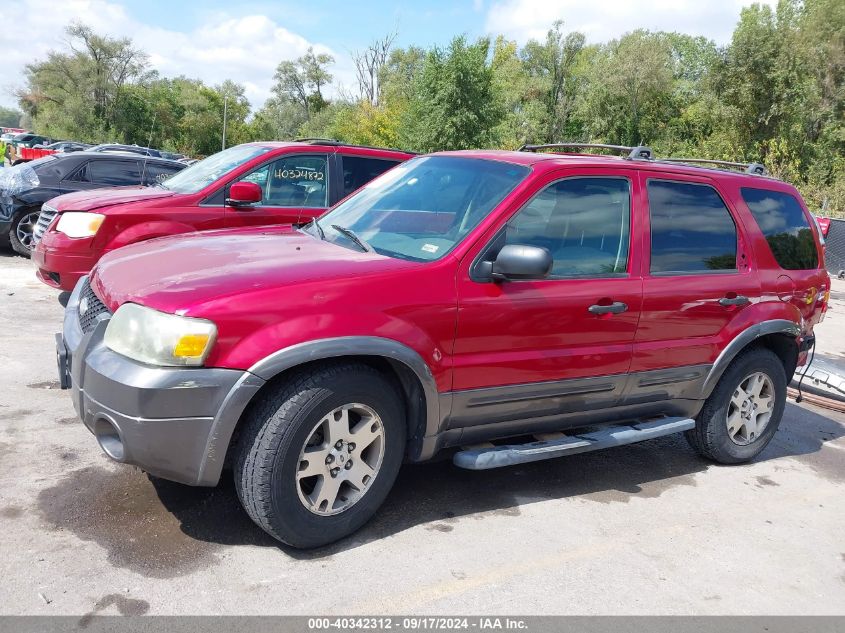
x=174 y=423
x=60 y=269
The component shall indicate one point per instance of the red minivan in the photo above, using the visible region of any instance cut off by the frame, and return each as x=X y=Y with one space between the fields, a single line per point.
x=250 y=184
x=510 y=306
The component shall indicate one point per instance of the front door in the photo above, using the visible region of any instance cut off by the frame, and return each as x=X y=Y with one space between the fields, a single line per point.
x=295 y=189
x=545 y=349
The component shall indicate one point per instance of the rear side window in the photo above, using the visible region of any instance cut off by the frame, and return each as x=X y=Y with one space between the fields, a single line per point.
x=692 y=230
x=114 y=172
x=582 y=222
x=786 y=227
x=358 y=171
x=155 y=172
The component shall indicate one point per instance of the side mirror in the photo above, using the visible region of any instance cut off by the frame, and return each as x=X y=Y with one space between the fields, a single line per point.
x=516 y=261
x=242 y=194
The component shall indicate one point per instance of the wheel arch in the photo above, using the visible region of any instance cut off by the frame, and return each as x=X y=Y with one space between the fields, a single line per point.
x=403 y=364
x=778 y=335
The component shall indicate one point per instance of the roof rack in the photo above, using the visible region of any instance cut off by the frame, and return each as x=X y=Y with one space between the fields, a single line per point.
x=640 y=152
x=756 y=169
x=333 y=142
x=317 y=139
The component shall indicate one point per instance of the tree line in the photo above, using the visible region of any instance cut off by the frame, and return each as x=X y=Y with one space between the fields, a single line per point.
x=775 y=93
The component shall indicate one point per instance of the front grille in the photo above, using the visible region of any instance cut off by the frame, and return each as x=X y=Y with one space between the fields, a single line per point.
x=90 y=307
x=44 y=220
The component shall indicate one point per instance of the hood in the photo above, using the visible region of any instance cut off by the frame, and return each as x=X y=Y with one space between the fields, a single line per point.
x=174 y=274
x=95 y=198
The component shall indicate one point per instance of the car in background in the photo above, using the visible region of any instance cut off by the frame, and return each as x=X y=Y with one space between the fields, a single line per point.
x=27 y=186
x=131 y=149
x=28 y=139
x=67 y=146
x=246 y=185
x=6 y=137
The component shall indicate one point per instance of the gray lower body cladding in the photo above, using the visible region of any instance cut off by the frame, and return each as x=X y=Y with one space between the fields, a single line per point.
x=175 y=423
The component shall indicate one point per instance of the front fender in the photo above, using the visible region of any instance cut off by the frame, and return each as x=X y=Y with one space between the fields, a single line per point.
x=147 y=231
x=289 y=357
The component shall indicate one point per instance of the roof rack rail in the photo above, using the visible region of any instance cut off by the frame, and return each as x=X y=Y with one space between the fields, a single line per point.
x=317 y=139
x=334 y=142
x=756 y=169
x=640 y=152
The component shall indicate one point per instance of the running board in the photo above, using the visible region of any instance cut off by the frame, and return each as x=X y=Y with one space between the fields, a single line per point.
x=483 y=458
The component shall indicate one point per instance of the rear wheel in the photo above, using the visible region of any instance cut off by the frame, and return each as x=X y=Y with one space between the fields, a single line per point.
x=744 y=411
x=22 y=233
x=316 y=459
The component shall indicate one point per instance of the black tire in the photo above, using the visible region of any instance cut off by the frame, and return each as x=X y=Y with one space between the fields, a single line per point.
x=710 y=437
x=275 y=431
x=20 y=217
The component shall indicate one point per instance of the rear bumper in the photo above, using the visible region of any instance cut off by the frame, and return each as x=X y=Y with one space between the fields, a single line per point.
x=60 y=269
x=165 y=420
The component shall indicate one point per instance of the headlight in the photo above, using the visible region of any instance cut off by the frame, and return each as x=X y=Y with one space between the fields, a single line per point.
x=158 y=338
x=79 y=224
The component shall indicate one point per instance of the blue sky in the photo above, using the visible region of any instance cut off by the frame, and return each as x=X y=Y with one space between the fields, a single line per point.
x=245 y=40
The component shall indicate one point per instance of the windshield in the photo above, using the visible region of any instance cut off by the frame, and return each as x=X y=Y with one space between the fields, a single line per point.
x=421 y=209
x=199 y=175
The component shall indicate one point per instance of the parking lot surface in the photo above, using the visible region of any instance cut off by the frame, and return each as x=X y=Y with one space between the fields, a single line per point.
x=646 y=529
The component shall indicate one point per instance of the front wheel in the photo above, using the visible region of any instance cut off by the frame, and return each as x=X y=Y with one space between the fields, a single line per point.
x=744 y=411
x=22 y=233
x=317 y=458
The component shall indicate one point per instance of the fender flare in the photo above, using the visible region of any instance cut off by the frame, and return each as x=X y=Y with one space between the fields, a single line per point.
x=747 y=336
x=267 y=368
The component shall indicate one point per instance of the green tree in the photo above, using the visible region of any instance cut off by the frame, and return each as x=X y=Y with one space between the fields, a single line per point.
x=454 y=105
x=553 y=64
x=301 y=82
x=77 y=94
x=9 y=117
x=630 y=82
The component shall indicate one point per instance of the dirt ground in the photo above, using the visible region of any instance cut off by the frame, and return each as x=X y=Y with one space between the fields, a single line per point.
x=646 y=529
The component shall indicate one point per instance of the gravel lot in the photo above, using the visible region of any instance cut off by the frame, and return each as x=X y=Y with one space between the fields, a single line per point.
x=648 y=529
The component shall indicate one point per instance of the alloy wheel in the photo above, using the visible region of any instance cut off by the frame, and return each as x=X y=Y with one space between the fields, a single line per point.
x=750 y=408
x=340 y=459
x=25 y=229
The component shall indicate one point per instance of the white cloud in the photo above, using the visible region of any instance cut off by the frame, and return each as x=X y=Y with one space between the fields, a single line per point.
x=602 y=20
x=245 y=48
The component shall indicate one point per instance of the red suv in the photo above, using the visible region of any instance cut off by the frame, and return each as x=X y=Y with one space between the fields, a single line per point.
x=464 y=300
x=251 y=184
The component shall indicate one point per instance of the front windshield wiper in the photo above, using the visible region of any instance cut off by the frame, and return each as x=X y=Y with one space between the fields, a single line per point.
x=354 y=237
x=318 y=227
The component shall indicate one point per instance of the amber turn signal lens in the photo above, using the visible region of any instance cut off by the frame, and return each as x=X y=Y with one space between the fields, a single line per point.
x=191 y=346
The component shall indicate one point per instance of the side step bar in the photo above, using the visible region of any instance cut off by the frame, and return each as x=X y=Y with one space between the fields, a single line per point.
x=498 y=456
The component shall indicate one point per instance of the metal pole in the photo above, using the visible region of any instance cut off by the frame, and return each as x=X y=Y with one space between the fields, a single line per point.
x=225 y=112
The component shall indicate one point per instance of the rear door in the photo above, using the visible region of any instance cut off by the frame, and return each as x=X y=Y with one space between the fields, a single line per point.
x=153 y=173
x=114 y=172
x=295 y=188
x=357 y=171
x=698 y=277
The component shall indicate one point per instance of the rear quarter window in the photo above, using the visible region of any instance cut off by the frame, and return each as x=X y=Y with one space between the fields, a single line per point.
x=785 y=226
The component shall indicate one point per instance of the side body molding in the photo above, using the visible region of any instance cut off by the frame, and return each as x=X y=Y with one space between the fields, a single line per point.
x=774 y=326
x=265 y=369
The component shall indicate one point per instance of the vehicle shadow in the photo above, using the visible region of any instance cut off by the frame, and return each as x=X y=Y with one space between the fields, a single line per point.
x=439 y=495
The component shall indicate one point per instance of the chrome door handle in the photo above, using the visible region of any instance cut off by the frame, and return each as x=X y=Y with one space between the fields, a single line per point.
x=738 y=300
x=617 y=307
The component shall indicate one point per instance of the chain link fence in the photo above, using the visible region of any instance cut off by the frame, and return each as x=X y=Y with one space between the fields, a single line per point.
x=835 y=249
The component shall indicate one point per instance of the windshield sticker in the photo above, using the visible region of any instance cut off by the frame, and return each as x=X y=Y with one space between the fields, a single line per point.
x=430 y=248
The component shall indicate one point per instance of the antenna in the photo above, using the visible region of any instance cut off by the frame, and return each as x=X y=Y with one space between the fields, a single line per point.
x=149 y=144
